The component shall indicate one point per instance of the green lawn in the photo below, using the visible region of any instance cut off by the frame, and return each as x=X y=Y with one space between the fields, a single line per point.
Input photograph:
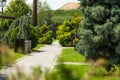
x=38 y=47
x=70 y=72
x=18 y=56
x=81 y=72
x=70 y=55
x=10 y=57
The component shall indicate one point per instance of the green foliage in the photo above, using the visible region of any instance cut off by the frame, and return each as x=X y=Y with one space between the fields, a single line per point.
x=6 y=24
x=34 y=36
x=7 y=56
x=66 y=31
x=44 y=13
x=45 y=33
x=99 y=31
x=63 y=15
x=15 y=8
x=21 y=29
x=61 y=72
x=66 y=72
x=18 y=29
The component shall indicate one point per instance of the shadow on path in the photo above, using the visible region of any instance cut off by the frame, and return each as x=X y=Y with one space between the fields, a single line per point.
x=38 y=51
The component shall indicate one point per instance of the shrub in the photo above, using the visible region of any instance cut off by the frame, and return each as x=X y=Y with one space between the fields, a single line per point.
x=13 y=36
x=45 y=35
x=34 y=36
x=21 y=29
x=67 y=30
x=100 y=30
x=65 y=40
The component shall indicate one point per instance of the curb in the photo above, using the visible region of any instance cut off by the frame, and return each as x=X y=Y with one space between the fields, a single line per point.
x=54 y=61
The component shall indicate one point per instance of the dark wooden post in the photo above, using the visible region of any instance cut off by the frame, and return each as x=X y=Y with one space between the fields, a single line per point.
x=34 y=12
x=19 y=45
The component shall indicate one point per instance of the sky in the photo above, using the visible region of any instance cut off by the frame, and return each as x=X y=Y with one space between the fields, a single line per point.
x=54 y=4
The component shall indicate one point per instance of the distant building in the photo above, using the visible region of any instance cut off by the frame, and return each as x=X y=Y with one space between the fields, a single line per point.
x=70 y=6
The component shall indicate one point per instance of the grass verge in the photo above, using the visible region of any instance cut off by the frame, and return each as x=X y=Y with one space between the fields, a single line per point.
x=38 y=47
x=81 y=72
x=9 y=57
x=70 y=72
x=70 y=55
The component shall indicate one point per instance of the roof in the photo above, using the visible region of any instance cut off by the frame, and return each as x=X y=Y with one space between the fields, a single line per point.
x=70 y=6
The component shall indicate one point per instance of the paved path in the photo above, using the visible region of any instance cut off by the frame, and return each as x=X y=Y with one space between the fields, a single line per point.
x=45 y=58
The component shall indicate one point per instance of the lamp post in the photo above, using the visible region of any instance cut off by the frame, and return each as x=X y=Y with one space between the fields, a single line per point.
x=2 y=5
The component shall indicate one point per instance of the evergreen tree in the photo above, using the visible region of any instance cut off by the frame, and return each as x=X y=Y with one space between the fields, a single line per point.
x=100 y=30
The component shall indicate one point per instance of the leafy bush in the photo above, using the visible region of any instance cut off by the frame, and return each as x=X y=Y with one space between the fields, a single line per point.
x=67 y=30
x=100 y=30
x=21 y=29
x=45 y=35
x=34 y=36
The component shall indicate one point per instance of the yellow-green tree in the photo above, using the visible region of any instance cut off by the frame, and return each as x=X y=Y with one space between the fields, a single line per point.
x=67 y=30
x=45 y=34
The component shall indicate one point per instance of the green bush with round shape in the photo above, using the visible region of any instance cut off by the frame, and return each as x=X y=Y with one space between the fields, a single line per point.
x=34 y=36
x=45 y=33
x=67 y=30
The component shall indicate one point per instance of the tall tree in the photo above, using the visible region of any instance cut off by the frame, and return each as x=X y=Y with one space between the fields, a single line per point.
x=44 y=13
x=15 y=8
x=100 y=30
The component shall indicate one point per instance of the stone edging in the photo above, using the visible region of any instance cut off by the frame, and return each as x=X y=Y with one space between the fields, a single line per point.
x=72 y=63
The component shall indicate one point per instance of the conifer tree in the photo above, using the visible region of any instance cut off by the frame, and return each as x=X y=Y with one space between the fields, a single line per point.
x=99 y=31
